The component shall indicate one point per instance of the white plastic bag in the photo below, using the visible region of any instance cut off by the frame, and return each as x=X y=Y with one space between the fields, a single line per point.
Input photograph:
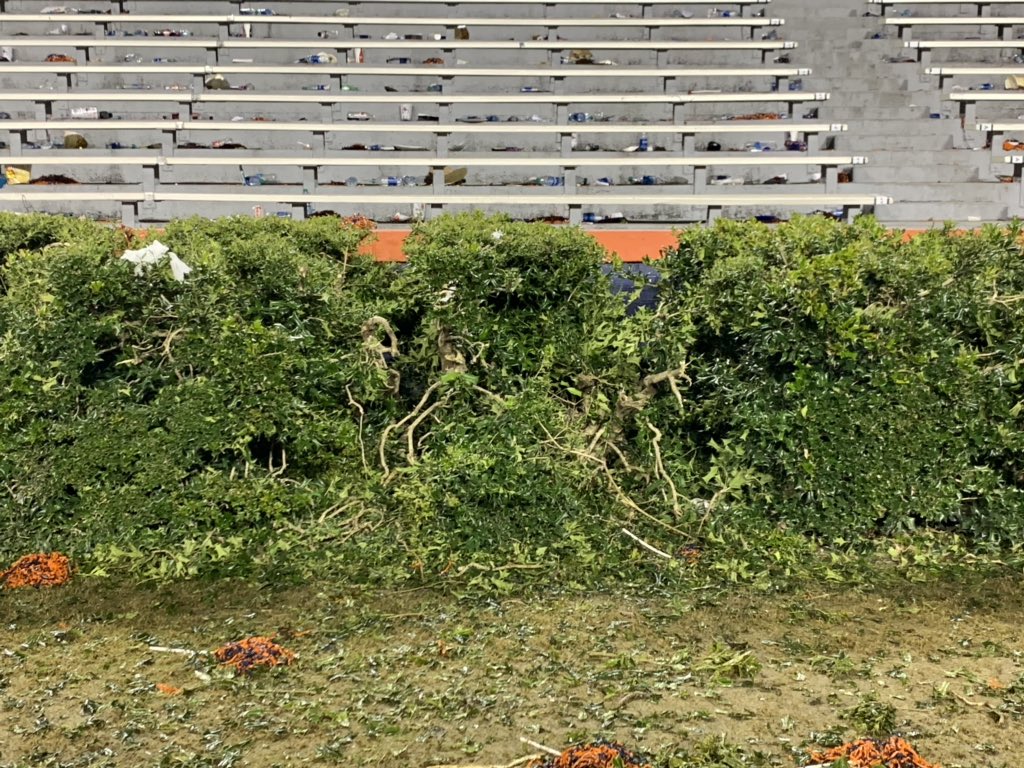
x=154 y=253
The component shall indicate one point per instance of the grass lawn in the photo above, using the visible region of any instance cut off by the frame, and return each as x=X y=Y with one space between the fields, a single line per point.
x=700 y=678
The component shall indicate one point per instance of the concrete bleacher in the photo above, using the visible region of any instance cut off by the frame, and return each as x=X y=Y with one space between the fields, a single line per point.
x=982 y=7
x=169 y=134
x=569 y=109
x=1002 y=26
x=975 y=68
x=924 y=152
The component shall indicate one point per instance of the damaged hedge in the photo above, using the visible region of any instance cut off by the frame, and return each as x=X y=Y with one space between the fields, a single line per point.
x=493 y=410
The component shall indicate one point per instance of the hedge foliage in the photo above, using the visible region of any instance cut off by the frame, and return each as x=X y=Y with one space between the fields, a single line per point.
x=492 y=410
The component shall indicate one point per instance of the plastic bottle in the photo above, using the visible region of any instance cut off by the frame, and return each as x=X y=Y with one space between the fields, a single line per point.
x=645 y=144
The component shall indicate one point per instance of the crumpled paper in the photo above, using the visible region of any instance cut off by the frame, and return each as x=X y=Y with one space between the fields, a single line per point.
x=153 y=254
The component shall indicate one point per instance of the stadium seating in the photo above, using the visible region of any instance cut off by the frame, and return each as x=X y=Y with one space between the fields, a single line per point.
x=1002 y=25
x=147 y=110
x=998 y=132
x=984 y=7
x=948 y=63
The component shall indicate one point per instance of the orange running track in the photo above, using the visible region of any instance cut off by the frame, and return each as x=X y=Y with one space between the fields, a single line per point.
x=630 y=245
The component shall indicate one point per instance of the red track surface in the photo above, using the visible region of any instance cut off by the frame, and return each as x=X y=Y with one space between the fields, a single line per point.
x=630 y=245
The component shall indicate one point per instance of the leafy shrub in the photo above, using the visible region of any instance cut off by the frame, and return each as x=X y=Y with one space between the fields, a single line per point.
x=491 y=411
x=871 y=383
x=143 y=410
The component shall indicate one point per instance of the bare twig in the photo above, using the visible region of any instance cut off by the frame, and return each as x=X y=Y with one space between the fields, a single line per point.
x=357 y=529
x=630 y=697
x=270 y=463
x=541 y=747
x=597 y=439
x=636 y=508
x=181 y=651
x=492 y=395
x=651 y=381
x=451 y=358
x=622 y=496
x=716 y=497
x=514 y=764
x=336 y=510
x=170 y=340
x=675 y=390
x=1005 y=300
x=981 y=705
x=391 y=427
x=362 y=414
x=410 y=433
x=659 y=467
x=374 y=346
x=507 y=567
x=625 y=462
x=370 y=328
x=645 y=545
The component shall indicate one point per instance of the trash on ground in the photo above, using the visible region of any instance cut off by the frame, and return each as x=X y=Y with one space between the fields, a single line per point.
x=52 y=178
x=37 y=570
x=893 y=752
x=246 y=655
x=599 y=754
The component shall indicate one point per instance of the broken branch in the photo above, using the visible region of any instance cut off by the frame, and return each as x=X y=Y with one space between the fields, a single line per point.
x=645 y=545
x=659 y=468
x=392 y=427
x=541 y=747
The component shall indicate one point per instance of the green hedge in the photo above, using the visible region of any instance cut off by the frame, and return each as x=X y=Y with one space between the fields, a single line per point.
x=873 y=384
x=492 y=411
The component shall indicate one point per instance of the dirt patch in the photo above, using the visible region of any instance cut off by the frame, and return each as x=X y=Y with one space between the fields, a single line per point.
x=415 y=679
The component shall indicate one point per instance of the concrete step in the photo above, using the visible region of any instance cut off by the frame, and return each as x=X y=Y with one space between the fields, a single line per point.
x=925 y=158
x=848 y=110
x=969 y=192
x=884 y=174
x=923 y=215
